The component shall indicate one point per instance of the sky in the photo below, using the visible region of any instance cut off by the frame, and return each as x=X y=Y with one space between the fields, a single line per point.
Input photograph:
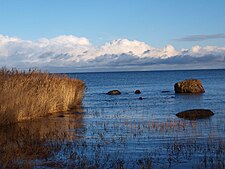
x=91 y=35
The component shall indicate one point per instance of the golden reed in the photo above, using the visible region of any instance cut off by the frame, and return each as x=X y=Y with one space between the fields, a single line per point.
x=27 y=95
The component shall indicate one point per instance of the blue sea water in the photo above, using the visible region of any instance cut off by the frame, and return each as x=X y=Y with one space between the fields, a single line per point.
x=122 y=131
x=130 y=131
x=152 y=84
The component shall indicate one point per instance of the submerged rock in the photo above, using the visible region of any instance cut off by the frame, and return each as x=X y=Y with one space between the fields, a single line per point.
x=189 y=86
x=114 y=92
x=194 y=114
x=137 y=92
x=140 y=98
x=165 y=91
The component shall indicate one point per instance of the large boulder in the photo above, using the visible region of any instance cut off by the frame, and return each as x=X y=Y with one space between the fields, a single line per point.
x=194 y=114
x=114 y=92
x=189 y=86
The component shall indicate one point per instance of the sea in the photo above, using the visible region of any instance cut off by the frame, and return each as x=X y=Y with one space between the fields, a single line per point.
x=124 y=131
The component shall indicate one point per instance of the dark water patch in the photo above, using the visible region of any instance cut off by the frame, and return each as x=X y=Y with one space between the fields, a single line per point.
x=165 y=91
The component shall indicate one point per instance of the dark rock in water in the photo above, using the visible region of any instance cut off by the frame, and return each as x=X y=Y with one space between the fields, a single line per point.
x=140 y=98
x=195 y=114
x=137 y=92
x=189 y=86
x=165 y=91
x=114 y=92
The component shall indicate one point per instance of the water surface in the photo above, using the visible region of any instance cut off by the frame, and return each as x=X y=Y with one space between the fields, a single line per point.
x=134 y=129
x=125 y=132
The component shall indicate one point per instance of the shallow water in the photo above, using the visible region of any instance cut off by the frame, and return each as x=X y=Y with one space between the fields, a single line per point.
x=125 y=132
x=148 y=128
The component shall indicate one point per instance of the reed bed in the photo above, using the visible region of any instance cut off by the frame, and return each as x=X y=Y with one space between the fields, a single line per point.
x=32 y=94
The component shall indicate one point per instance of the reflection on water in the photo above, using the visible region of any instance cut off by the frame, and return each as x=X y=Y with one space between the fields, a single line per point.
x=25 y=143
x=112 y=140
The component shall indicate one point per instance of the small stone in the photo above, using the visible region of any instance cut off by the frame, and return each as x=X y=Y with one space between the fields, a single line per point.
x=114 y=92
x=137 y=92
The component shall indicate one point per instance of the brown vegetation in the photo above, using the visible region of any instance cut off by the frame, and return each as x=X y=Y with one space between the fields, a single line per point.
x=27 y=95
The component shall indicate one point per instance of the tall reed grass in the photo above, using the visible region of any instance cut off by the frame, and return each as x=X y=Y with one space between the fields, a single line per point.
x=27 y=95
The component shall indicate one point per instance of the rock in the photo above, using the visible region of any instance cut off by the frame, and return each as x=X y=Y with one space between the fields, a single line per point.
x=140 y=98
x=114 y=92
x=137 y=92
x=194 y=114
x=189 y=86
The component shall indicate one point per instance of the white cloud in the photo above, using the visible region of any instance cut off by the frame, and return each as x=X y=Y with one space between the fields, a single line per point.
x=121 y=46
x=72 y=51
x=170 y=51
x=206 y=50
x=5 y=42
x=6 y=39
x=66 y=41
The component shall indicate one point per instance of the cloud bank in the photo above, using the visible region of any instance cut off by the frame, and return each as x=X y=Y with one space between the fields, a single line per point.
x=192 y=38
x=70 y=53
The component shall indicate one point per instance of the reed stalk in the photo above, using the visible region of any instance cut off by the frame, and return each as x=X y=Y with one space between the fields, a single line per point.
x=32 y=94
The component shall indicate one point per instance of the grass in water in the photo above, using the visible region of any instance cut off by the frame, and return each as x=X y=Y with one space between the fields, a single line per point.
x=27 y=95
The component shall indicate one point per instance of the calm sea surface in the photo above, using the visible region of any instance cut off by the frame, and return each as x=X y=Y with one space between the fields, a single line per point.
x=129 y=130
x=124 y=132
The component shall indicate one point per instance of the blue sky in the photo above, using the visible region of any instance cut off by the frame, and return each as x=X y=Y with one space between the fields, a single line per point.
x=156 y=22
x=101 y=35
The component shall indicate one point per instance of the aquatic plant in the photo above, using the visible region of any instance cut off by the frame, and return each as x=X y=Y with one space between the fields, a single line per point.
x=33 y=145
x=27 y=95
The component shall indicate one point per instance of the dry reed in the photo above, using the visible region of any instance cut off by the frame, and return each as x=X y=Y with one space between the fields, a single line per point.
x=27 y=95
